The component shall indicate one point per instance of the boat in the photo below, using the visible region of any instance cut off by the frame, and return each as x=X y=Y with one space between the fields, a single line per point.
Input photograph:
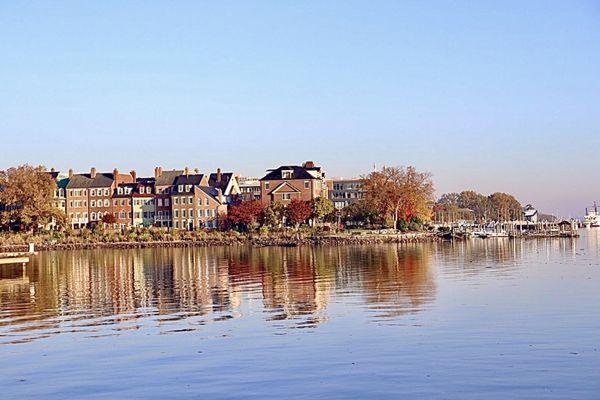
x=592 y=217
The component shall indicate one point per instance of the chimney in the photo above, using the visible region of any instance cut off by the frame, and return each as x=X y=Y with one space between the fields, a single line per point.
x=196 y=170
x=70 y=172
x=309 y=164
x=157 y=172
x=93 y=172
x=52 y=169
x=218 y=174
x=186 y=171
x=115 y=173
x=134 y=176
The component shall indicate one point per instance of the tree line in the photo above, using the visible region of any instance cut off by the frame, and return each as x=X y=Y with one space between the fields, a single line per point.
x=473 y=206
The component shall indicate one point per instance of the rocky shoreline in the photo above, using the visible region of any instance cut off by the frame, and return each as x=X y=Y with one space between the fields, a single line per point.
x=256 y=241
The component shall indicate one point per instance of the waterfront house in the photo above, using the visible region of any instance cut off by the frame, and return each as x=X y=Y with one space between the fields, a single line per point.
x=249 y=188
x=163 y=186
x=343 y=192
x=194 y=204
x=285 y=183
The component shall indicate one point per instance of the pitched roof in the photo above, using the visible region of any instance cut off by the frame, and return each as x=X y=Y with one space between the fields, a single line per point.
x=212 y=192
x=194 y=179
x=167 y=178
x=298 y=172
x=62 y=183
x=281 y=186
x=78 y=181
x=223 y=183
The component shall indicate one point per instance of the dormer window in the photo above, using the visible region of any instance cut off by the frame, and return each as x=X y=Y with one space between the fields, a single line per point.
x=180 y=188
x=286 y=174
x=188 y=188
x=120 y=190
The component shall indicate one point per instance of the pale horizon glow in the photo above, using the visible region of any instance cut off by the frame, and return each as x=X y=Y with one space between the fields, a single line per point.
x=486 y=96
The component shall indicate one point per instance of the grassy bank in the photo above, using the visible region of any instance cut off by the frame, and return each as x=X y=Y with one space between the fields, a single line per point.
x=152 y=237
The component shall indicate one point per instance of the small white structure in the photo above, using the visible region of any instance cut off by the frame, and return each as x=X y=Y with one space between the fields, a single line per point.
x=530 y=214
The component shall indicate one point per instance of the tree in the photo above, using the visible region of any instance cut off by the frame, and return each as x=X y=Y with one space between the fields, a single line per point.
x=505 y=207
x=109 y=219
x=273 y=214
x=27 y=199
x=321 y=207
x=400 y=193
x=298 y=212
x=246 y=215
x=475 y=202
x=360 y=213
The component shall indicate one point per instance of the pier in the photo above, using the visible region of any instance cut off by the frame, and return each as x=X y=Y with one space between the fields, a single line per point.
x=17 y=257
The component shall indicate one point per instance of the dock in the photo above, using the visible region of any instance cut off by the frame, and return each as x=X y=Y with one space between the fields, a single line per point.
x=17 y=258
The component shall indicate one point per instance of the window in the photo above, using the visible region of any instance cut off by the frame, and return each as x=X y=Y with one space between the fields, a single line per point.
x=206 y=201
x=159 y=202
x=106 y=192
x=93 y=203
x=183 y=213
x=176 y=200
x=176 y=224
x=267 y=184
x=93 y=216
x=180 y=188
x=286 y=196
x=306 y=184
x=176 y=214
x=190 y=200
x=106 y=203
x=120 y=190
x=188 y=188
x=191 y=213
x=92 y=192
x=99 y=216
x=200 y=213
x=286 y=174
x=167 y=202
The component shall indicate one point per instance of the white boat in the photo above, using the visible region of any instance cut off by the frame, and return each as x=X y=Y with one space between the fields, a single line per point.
x=592 y=217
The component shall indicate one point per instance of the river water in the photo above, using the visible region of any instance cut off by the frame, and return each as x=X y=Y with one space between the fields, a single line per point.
x=493 y=319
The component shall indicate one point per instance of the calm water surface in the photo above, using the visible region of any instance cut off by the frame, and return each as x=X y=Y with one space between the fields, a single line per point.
x=494 y=319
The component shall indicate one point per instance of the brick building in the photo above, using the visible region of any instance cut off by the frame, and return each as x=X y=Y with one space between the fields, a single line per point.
x=283 y=184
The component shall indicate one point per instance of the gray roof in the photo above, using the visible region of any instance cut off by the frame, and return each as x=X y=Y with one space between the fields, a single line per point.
x=222 y=184
x=78 y=181
x=167 y=178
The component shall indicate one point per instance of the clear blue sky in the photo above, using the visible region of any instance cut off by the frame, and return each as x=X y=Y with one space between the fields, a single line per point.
x=494 y=96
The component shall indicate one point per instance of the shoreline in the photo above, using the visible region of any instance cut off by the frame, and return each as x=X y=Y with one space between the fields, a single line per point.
x=254 y=241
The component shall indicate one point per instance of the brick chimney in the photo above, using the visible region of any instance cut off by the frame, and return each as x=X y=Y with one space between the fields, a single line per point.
x=52 y=170
x=115 y=173
x=218 y=174
x=93 y=172
x=196 y=170
x=134 y=176
x=157 y=172
x=309 y=164
x=186 y=171
x=70 y=172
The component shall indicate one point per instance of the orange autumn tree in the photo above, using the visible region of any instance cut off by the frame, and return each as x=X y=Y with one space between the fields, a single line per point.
x=27 y=199
x=298 y=212
x=400 y=193
x=246 y=215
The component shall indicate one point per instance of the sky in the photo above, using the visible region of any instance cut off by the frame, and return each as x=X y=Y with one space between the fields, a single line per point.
x=487 y=95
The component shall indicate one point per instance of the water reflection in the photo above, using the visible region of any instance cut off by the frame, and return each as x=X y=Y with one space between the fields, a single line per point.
x=132 y=289
x=107 y=292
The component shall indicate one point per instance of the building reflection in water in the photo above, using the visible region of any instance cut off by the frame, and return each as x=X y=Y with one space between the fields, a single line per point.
x=134 y=289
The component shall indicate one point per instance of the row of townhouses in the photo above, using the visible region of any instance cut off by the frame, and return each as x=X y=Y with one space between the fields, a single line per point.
x=186 y=199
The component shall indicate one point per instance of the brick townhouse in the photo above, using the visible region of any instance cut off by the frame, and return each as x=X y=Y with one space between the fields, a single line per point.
x=194 y=204
x=163 y=185
x=283 y=184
